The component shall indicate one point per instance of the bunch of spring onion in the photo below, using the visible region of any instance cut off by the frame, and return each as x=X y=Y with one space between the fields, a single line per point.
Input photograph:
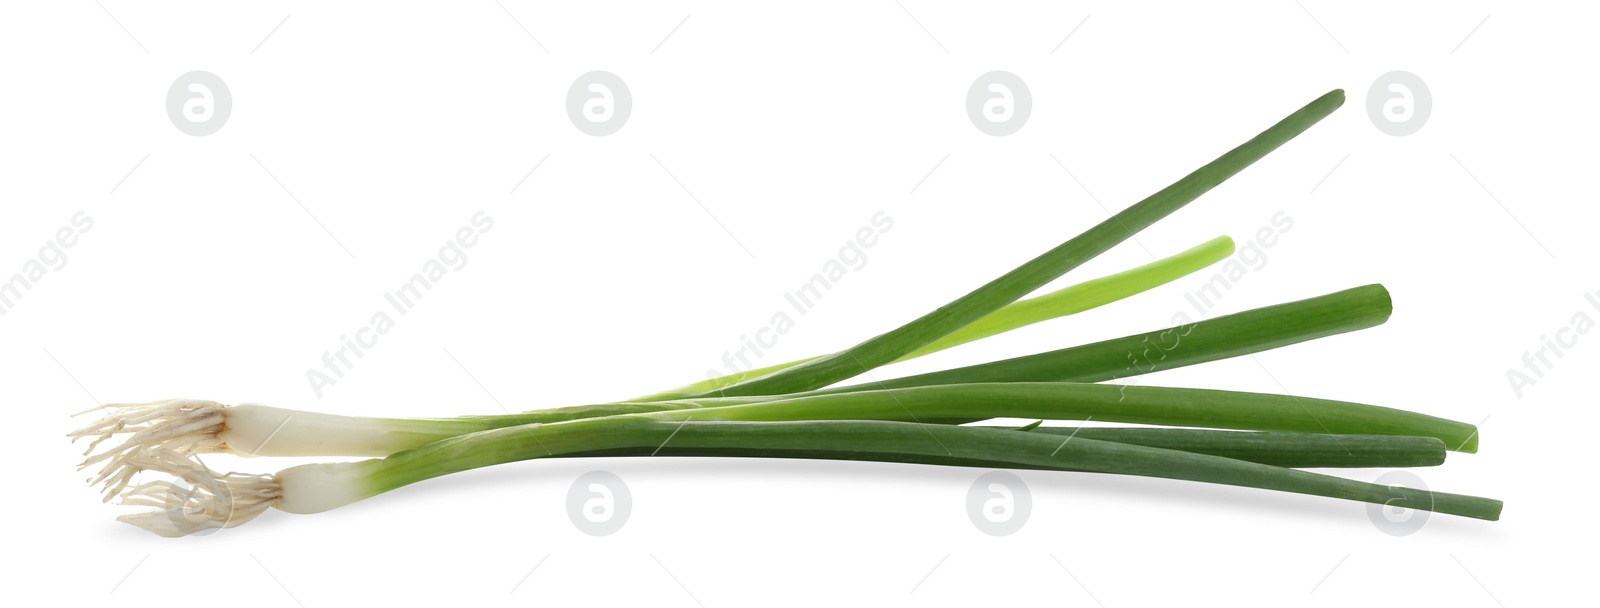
x=789 y=410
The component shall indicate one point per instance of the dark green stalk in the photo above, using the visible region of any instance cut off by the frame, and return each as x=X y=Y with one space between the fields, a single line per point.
x=1294 y=450
x=1153 y=405
x=987 y=445
x=1247 y=332
x=1038 y=272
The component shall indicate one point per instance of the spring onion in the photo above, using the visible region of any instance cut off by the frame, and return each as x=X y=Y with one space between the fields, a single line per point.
x=1293 y=450
x=787 y=411
x=193 y=426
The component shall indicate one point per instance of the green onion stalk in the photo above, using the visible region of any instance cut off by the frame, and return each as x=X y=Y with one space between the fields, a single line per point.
x=800 y=425
x=842 y=426
x=787 y=411
x=1293 y=450
x=190 y=426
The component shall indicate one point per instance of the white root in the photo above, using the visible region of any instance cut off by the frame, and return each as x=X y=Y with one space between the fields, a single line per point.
x=198 y=499
x=181 y=426
x=165 y=438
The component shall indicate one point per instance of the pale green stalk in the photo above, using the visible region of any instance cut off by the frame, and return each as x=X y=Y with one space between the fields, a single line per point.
x=1063 y=302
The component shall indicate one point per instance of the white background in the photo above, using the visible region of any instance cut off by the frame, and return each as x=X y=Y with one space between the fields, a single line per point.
x=788 y=127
